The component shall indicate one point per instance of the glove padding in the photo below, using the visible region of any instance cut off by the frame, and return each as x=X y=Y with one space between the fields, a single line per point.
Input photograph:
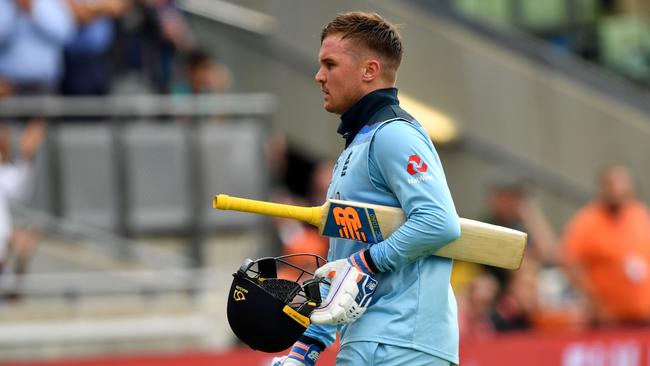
x=301 y=354
x=350 y=293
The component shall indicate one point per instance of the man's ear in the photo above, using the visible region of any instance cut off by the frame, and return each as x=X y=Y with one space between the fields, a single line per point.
x=372 y=70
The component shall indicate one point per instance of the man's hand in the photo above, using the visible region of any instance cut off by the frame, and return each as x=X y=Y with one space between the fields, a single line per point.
x=6 y=89
x=301 y=354
x=25 y=5
x=86 y=12
x=115 y=8
x=32 y=138
x=350 y=293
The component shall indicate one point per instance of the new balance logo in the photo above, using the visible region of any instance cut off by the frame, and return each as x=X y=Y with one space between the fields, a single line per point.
x=349 y=223
x=371 y=286
x=313 y=355
x=416 y=165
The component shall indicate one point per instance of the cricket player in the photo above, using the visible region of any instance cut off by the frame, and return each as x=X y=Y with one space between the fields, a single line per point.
x=391 y=302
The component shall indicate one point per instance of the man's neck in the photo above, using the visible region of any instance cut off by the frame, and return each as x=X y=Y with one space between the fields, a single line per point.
x=363 y=110
x=614 y=208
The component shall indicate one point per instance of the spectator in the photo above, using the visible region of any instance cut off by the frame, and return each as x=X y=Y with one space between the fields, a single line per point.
x=5 y=89
x=32 y=37
x=22 y=245
x=291 y=169
x=321 y=176
x=510 y=206
x=15 y=179
x=607 y=251
x=203 y=75
x=297 y=237
x=276 y=151
x=150 y=35
x=475 y=306
x=517 y=306
x=86 y=69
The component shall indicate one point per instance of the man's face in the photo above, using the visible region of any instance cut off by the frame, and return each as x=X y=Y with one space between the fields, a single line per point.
x=340 y=74
x=203 y=78
x=505 y=204
x=616 y=186
x=25 y=5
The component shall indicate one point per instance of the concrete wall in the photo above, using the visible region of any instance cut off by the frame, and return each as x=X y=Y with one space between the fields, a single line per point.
x=525 y=109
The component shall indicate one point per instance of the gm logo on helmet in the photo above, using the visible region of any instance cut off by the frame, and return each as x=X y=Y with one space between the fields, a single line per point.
x=238 y=294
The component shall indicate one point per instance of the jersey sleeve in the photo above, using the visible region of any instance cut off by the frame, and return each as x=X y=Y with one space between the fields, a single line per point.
x=402 y=160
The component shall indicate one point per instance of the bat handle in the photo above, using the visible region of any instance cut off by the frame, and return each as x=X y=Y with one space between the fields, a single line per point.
x=310 y=215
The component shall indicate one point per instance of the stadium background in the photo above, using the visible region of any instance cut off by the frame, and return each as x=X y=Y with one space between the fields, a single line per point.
x=129 y=264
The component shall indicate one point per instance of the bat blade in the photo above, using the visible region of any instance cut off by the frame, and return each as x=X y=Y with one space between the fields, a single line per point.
x=479 y=242
x=484 y=243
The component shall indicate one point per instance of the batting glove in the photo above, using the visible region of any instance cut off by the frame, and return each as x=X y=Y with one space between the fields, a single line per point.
x=350 y=292
x=301 y=354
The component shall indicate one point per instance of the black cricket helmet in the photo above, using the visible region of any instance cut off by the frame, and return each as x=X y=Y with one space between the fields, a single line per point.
x=269 y=313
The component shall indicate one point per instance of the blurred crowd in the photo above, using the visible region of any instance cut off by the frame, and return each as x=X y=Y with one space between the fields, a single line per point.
x=596 y=273
x=85 y=48
x=297 y=180
x=96 y=47
x=612 y=33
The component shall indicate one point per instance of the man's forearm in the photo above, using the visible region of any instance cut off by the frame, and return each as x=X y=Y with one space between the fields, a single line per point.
x=8 y=16
x=418 y=237
x=54 y=20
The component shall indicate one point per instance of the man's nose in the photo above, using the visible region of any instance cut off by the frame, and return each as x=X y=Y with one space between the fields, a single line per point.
x=319 y=76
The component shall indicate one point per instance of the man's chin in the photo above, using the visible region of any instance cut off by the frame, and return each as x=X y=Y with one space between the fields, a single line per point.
x=330 y=108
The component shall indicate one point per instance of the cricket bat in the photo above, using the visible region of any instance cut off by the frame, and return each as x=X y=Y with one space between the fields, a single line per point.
x=479 y=242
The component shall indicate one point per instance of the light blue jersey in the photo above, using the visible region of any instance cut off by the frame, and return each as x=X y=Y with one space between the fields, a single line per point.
x=391 y=161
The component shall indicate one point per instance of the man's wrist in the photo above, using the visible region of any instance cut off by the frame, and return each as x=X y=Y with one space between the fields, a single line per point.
x=306 y=350
x=309 y=340
x=363 y=261
x=371 y=262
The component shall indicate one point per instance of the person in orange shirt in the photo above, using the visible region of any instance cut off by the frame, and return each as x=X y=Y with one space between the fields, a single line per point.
x=607 y=251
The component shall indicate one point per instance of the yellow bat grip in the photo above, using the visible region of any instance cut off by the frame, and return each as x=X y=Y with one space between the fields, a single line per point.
x=310 y=215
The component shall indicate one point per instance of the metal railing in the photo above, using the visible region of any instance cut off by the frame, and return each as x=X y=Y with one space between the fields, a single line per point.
x=142 y=283
x=128 y=136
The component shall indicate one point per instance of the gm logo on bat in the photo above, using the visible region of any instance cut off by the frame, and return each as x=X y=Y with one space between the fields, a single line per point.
x=355 y=223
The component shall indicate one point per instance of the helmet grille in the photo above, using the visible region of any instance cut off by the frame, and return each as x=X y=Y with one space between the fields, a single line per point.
x=283 y=290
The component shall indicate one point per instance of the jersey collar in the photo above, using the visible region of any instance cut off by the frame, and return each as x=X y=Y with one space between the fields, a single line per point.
x=362 y=112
